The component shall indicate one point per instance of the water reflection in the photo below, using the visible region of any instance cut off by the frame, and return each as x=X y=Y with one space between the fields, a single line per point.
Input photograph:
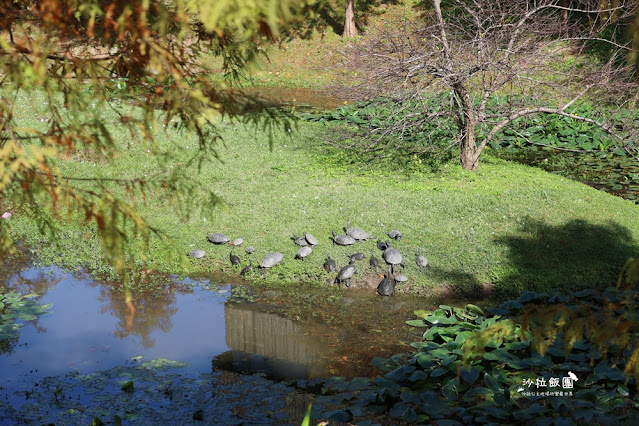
x=141 y=315
x=268 y=343
x=95 y=327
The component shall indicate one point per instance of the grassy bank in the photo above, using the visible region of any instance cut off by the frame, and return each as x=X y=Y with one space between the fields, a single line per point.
x=508 y=227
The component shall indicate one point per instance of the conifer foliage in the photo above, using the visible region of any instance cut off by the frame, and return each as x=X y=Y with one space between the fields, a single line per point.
x=140 y=58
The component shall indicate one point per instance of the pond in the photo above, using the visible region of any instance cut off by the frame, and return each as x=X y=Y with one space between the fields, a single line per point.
x=211 y=325
x=615 y=174
x=300 y=99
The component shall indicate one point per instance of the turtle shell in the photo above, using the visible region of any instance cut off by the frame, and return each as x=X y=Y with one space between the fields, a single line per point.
x=357 y=233
x=218 y=238
x=300 y=241
x=395 y=234
x=401 y=278
x=386 y=287
x=311 y=239
x=421 y=261
x=303 y=252
x=198 y=254
x=392 y=256
x=271 y=260
x=344 y=240
x=346 y=272
x=329 y=264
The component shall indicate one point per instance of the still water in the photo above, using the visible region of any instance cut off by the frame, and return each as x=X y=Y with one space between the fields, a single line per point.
x=92 y=327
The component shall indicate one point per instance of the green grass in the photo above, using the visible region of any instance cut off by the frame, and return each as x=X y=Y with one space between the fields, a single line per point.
x=507 y=226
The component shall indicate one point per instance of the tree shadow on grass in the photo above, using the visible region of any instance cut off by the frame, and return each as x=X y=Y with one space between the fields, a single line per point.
x=568 y=258
x=457 y=286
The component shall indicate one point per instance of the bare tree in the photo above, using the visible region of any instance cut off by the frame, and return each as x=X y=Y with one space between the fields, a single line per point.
x=350 y=30
x=498 y=61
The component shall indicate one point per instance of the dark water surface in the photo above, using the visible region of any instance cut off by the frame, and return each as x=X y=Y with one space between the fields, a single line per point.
x=617 y=175
x=302 y=99
x=92 y=327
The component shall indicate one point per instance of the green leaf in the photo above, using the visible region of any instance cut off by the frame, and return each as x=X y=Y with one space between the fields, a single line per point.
x=418 y=375
x=410 y=416
x=441 y=320
x=440 y=371
x=383 y=363
x=492 y=383
x=475 y=309
x=440 y=353
x=463 y=336
x=400 y=373
x=511 y=305
x=448 y=360
x=199 y=415
x=432 y=407
x=417 y=323
x=470 y=375
x=398 y=410
x=584 y=413
x=128 y=387
x=425 y=360
x=339 y=416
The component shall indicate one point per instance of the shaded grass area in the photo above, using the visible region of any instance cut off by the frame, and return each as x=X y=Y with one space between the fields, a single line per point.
x=506 y=227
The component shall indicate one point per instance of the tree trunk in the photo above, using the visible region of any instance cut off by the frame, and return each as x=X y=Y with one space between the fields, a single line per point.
x=469 y=154
x=349 y=23
x=564 y=18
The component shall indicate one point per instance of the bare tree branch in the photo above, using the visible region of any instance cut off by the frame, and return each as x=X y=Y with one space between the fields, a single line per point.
x=497 y=61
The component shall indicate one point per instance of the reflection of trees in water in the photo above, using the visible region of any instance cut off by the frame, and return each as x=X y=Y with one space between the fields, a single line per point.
x=142 y=314
x=7 y=346
x=12 y=280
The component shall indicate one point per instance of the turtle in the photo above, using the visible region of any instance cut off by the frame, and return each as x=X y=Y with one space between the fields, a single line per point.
x=218 y=238
x=342 y=240
x=421 y=261
x=395 y=234
x=357 y=256
x=329 y=264
x=345 y=274
x=271 y=260
x=374 y=262
x=300 y=241
x=303 y=252
x=198 y=254
x=401 y=278
x=234 y=258
x=311 y=240
x=386 y=287
x=382 y=245
x=250 y=249
x=237 y=242
x=393 y=257
x=356 y=233
x=245 y=270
